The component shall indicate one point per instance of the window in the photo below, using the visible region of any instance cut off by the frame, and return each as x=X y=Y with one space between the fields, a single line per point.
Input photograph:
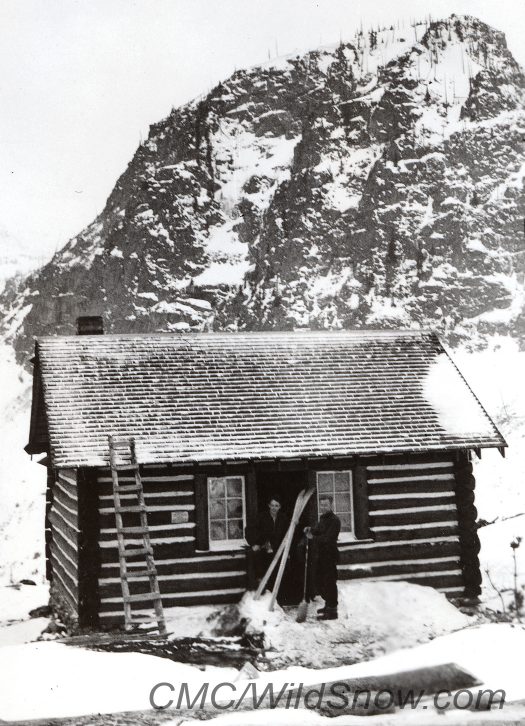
x=338 y=485
x=226 y=512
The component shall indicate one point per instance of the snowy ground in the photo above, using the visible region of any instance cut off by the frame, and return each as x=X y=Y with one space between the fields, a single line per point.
x=373 y=621
x=22 y=481
x=41 y=680
x=423 y=630
x=496 y=376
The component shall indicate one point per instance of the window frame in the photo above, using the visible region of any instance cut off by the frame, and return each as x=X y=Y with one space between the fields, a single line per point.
x=226 y=544
x=343 y=536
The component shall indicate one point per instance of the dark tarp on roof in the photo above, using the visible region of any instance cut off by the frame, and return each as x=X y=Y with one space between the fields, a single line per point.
x=227 y=396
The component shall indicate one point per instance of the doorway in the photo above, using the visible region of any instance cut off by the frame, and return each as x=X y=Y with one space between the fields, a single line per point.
x=286 y=485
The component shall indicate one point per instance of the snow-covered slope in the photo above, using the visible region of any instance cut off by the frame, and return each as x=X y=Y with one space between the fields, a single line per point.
x=22 y=481
x=379 y=182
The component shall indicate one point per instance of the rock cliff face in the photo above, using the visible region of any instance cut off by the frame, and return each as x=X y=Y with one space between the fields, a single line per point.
x=377 y=183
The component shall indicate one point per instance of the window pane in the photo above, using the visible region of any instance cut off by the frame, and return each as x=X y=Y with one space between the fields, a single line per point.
x=342 y=481
x=325 y=482
x=217 y=509
x=234 y=486
x=235 y=529
x=217 y=530
x=342 y=502
x=216 y=488
x=235 y=508
x=346 y=522
x=226 y=508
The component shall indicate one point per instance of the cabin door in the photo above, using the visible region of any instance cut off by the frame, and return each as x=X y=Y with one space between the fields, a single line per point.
x=286 y=487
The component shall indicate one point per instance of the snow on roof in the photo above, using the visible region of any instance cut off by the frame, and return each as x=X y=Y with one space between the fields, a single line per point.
x=231 y=396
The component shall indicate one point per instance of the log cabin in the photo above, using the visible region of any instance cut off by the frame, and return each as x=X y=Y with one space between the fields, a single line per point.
x=383 y=421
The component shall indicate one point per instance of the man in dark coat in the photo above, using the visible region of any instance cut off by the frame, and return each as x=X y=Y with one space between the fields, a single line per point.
x=264 y=540
x=323 y=538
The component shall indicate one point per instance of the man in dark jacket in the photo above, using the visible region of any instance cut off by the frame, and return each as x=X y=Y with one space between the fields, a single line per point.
x=323 y=538
x=264 y=540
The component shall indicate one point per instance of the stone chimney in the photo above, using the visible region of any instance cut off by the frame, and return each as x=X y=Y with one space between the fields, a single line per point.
x=90 y=325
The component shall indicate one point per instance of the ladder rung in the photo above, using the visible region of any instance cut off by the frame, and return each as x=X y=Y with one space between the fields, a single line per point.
x=134 y=530
x=122 y=489
x=143 y=596
x=125 y=467
x=132 y=551
x=131 y=508
x=131 y=574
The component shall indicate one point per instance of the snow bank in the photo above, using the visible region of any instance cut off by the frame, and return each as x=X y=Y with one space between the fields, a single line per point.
x=496 y=376
x=399 y=612
x=22 y=481
x=25 y=631
x=374 y=618
x=17 y=601
x=42 y=680
x=45 y=680
x=190 y=622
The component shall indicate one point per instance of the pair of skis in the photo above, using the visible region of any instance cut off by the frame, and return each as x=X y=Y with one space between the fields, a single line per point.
x=281 y=556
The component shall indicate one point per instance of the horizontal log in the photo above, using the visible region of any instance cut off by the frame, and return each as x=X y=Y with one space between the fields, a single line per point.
x=58 y=522
x=175 y=584
x=403 y=501
x=164 y=506
x=155 y=518
x=438 y=579
x=65 y=545
x=61 y=590
x=396 y=567
x=68 y=561
x=68 y=515
x=71 y=559
x=68 y=504
x=67 y=476
x=203 y=597
x=66 y=579
x=409 y=465
x=159 y=492
x=158 y=533
x=184 y=565
x=418 y=531
x=155 y=500
x=411 y=487
x=419 y=478
x=149 y=481
x=438 y=472
x=108 y=551
x=398 y=518
x=66 y=493
x=415 y=549
x=170 y=481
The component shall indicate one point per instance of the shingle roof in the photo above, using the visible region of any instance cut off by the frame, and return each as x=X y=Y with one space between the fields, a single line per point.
x=225 y=396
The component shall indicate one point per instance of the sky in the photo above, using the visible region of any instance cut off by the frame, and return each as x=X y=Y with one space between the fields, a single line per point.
x=82 y=80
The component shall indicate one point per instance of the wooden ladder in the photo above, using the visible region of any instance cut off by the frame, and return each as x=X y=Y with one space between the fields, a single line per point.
x=122 y=458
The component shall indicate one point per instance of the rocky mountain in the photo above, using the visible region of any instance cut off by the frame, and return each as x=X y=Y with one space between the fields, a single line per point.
x=376 y=183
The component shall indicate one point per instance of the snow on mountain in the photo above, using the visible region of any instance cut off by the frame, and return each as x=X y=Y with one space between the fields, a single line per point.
x=375 y=183
x=16 y=259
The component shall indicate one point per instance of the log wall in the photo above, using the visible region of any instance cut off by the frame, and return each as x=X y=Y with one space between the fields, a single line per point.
x=62 y=544
x=414 y=529
x=420 y=527
x=186 y=575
